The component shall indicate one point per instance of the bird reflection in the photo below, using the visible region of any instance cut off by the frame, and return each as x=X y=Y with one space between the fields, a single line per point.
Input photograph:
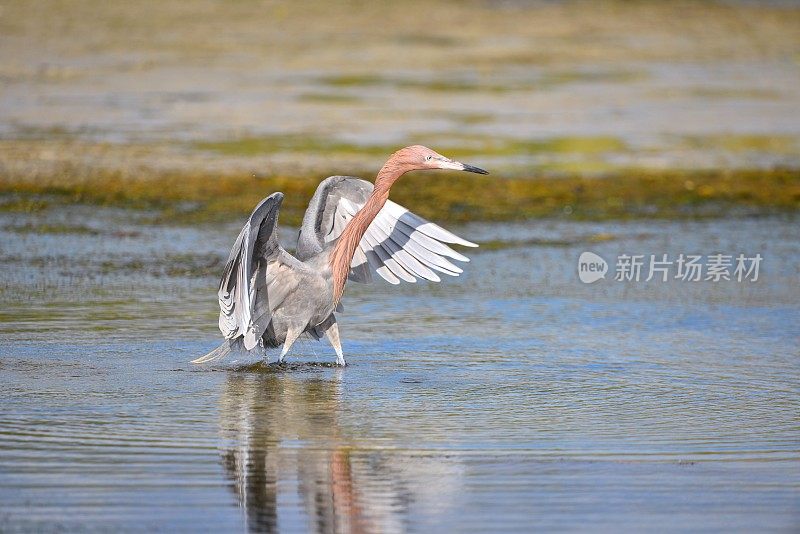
x=286 y=456
x=270 y=419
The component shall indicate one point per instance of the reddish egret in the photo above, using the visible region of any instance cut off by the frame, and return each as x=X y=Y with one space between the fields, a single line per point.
x=267 y=297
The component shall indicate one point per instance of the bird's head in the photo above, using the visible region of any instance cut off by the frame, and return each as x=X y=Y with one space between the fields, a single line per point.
x=418 y=157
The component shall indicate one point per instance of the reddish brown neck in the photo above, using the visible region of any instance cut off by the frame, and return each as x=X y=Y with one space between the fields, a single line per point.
x=342 y=254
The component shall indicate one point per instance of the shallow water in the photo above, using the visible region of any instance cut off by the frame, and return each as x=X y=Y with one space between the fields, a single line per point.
x=607 y=92
x=512 y=397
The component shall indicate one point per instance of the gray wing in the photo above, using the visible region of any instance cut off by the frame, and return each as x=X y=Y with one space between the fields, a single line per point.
x=258 y=276
x=398 y=245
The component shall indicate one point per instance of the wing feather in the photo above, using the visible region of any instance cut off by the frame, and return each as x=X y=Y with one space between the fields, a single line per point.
x=379 y=267
x=387 y=260
x=426 y=227
x=398 y=252
x=258 y=276
x=398 y=245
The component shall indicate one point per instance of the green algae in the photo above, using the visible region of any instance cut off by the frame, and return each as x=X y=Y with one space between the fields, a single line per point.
x=737 y=143
x=329 y=98
x=189 y=198
x=23 y=205
x=273 y=144
x=456 y=145
x=501 y=244
x=454 y=84
x=51 y=228
x=716 y=93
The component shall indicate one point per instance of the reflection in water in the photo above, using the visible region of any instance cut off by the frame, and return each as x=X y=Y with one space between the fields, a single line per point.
x=286 y=443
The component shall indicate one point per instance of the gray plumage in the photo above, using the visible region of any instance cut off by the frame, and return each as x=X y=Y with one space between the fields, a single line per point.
x=269 y=297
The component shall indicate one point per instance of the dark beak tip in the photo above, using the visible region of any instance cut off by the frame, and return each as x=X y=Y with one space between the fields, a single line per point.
x=476 y=170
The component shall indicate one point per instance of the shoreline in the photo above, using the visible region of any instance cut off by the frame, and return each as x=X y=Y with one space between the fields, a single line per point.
x=179 y=197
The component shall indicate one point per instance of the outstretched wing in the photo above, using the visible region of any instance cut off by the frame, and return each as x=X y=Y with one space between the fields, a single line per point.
x=258 y=276
x=398 y=245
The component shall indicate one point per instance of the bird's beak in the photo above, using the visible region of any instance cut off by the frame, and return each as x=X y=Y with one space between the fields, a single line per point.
x=458 y=166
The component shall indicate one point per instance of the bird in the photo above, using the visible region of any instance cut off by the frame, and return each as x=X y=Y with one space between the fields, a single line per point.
x=269 y=297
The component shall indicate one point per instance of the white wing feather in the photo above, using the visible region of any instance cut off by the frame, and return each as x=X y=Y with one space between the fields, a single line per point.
x=400 y=245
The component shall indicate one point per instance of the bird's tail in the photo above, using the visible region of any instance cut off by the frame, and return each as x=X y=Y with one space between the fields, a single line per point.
x=220 y=352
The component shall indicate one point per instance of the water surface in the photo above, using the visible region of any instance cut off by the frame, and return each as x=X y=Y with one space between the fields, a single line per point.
x=513 y=397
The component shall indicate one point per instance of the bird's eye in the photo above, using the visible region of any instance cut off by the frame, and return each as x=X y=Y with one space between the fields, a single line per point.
x=428 y=158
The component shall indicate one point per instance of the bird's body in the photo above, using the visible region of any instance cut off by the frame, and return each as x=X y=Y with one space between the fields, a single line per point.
x=269 y=297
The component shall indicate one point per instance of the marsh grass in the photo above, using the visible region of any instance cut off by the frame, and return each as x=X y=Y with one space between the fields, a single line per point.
x=189 y=198
x=456 y=145
x=273 y=144
x=454 y=84
x=328 y=98
x=775 y=144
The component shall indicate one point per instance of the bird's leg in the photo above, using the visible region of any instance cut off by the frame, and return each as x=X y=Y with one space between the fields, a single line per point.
x=291 y=337
x=332 y=334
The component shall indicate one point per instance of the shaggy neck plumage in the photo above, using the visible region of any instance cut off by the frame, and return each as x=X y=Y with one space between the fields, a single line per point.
x=342 y=254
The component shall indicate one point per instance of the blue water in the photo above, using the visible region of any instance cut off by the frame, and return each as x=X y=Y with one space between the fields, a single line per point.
x=514 y=397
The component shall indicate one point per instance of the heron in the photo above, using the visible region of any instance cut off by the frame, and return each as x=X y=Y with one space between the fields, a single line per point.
x=269 y=297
